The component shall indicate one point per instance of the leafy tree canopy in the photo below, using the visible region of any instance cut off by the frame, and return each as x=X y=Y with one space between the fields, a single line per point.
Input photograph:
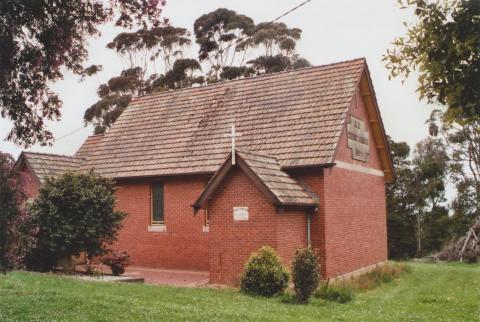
x=443 y=46
x=417 y=216
x=217 y=33
x=38 y=39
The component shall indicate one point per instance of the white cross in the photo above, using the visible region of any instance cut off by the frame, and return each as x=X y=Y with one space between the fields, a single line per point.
x=233 y=135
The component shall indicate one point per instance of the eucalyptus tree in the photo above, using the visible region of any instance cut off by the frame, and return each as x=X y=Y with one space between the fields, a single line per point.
x=221 y=36
x=154 y=60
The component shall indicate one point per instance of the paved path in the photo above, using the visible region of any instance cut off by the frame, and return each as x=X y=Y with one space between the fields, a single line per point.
x=173 y=277
x=159 y=276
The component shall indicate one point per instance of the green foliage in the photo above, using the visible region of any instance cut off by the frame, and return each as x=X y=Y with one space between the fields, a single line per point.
x=264 y=273
x=443 y=46
x=140 y=49
x=418 y=221
x=11 y=198
x=117 y=261
x=341 y=294
x=41 y=39
x=305 y=273
x=217 y=34
x=73 y=213
x=400 y=205
x=276 y=38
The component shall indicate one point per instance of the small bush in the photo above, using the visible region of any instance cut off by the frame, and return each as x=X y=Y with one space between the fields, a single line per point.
x=305 y=274
x=117 y=261
x=73 y=213
x=264 y=274
x=336 y=293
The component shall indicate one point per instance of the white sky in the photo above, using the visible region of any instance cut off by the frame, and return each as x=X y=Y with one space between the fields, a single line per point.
x=333 y=30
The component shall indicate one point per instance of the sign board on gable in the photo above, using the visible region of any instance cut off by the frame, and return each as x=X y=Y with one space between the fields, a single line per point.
x=240 y=213
x=358 y=139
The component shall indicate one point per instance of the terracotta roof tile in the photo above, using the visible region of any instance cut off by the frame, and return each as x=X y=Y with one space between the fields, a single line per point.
x=287 y=190
x=51 y=165
x=89 y=146
x=295 y=116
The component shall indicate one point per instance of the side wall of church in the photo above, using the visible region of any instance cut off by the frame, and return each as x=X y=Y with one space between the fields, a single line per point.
x=354 y=206
x=183 y=244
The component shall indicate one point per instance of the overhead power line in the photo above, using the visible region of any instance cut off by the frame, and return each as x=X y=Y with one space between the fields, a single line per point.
x=289 y=11
x=70 y=133
x=269 y=23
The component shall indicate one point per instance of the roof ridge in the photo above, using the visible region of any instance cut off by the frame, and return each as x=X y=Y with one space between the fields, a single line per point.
x=256 y=153
x=51 y=154
x=225 y=82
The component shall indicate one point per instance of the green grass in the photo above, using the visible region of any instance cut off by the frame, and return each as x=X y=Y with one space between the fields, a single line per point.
x=431 y=292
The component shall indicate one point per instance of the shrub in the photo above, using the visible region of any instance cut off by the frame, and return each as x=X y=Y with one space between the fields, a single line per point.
x=73 y=213
x=305 y=273
x=264 y=273
x=341 y=293
x=12 y=215
x=117 y=261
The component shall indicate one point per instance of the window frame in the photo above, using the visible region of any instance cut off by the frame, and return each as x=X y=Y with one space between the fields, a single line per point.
x=206 y=218
x=152 y=221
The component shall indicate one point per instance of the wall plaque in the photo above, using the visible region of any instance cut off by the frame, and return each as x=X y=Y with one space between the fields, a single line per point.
x=358 y=139
x=240 y=213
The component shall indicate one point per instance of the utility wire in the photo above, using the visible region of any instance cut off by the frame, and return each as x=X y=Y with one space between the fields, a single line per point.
x=288 y=12
x=70 y=133
x=269 y=23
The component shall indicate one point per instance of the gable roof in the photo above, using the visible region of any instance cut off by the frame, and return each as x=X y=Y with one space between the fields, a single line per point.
x=89 y=146
x=367 y=91
x=297 y=116
x=44 y=165
x=266 y=174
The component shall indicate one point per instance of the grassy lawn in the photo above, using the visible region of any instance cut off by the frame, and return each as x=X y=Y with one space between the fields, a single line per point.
x=431 y=292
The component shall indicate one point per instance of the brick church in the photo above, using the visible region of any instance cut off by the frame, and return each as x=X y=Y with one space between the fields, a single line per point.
x=210 y=174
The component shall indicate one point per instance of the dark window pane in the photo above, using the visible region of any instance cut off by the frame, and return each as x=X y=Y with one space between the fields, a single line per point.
x=157 y=203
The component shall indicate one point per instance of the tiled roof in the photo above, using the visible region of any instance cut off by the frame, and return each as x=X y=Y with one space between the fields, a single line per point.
x=266 y=174
x=89 y=146
x=286 y=190
x=296 y=116
x=51 y=165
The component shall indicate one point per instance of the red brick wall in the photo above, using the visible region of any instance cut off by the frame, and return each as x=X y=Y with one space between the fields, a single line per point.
x=30 y=183
x=184 y=245
x=232 y=242
x=355 y=209
x=313 y=179
x=355 y=221
x=291 y=234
